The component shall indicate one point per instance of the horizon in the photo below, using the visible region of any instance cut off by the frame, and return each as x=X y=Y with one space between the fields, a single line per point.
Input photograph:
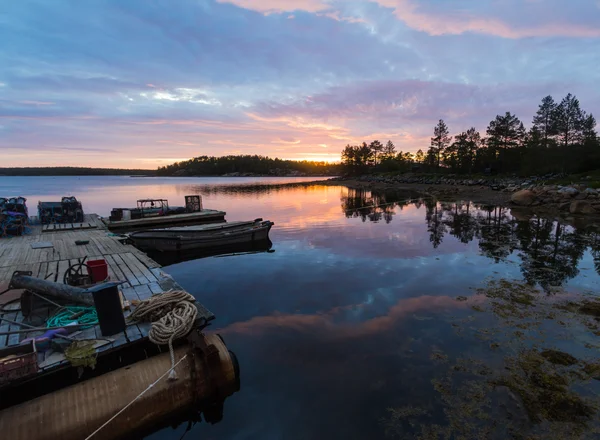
x=137 y=85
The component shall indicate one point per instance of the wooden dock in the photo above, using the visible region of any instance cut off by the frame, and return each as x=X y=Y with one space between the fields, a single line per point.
x=50 y=258
x=204 y=216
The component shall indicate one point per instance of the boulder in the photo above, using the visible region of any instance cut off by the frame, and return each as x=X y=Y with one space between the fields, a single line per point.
x=565 y=206
x=524 y=197
x=581 y=207
x=569 y=190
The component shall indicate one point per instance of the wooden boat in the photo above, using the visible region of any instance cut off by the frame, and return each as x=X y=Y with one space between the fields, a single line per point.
x=232 y=250
x=156 y=213
x=199 y=237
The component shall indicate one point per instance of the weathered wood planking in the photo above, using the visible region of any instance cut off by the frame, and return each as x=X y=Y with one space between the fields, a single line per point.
x=143 y=277
x=53 y=227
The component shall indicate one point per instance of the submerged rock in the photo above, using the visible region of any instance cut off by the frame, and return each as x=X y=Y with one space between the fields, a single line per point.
x=559 y=357
x=581 y=207
x=523 y=198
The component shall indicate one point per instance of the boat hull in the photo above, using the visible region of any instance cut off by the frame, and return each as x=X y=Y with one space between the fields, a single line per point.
x=204 y=216
x=181 y=239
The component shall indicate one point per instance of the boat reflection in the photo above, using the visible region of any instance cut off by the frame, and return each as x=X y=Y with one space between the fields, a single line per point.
x=170 y=258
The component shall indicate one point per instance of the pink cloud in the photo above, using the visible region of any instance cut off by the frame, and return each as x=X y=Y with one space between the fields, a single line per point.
x=278 y=6
x=442 y=18
x=458 y=21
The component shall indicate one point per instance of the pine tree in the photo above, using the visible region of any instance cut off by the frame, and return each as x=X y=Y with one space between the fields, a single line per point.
x=544 y=121
x=440 y=141
x=569 y=121
x=468 y=144
x=420 y=156
x=389 y=151
x=349 y=156
x=589 y=129
x=376 y=147
x=505 y=132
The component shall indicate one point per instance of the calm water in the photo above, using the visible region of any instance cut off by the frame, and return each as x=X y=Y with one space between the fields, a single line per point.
x=340 y=322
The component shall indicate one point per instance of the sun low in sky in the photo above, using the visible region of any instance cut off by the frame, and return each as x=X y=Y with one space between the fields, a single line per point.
x=138 y=84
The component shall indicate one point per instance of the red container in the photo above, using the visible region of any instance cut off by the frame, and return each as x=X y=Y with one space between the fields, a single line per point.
x=98 y=270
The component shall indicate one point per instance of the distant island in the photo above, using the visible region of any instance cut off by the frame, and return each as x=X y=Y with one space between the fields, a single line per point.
x=73 y=171
x=248 y=165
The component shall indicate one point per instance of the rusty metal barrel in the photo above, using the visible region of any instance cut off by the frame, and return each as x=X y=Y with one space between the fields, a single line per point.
x=208 y=373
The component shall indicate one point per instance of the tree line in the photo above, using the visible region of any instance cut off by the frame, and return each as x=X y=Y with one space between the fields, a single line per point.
x=562 y=138
x=254 y=164
x=72 y=171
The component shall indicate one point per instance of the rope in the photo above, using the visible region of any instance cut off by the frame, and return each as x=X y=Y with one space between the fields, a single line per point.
x=172 y=315
x=169 y=371
x=85 y=315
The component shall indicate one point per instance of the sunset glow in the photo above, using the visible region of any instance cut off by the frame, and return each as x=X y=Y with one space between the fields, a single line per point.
x=138 y=85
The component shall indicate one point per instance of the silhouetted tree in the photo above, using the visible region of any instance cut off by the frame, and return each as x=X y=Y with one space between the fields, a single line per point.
x=215 y=166
x=569 y=121
x=389 y=151
x=376 y=148
x=440 y=141
x=460 y=156
x=563 y=137
x=356 y=159
x=505 y=134
x=419 y=157
x=544 y=121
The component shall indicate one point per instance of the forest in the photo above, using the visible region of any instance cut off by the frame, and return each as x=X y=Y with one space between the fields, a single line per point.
x=562 y=139
x=72 y=171
x=247 y=164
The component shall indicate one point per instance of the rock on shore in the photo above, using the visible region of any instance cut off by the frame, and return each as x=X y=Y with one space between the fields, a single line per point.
x=524 y=197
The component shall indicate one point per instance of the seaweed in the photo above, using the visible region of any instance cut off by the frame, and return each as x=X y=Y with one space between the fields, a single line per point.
x=559 y=357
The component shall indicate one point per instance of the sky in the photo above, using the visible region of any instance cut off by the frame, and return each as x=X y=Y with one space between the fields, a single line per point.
x=140 y=84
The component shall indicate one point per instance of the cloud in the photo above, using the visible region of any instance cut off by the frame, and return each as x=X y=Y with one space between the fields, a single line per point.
x=279 y=6
x=209 y=77
x=372 y=109
x=506 y=19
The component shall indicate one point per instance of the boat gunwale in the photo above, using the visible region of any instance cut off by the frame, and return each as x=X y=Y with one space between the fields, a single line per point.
x=207 y=235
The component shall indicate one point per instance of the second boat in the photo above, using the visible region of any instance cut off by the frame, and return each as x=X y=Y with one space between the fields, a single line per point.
x=202 y=236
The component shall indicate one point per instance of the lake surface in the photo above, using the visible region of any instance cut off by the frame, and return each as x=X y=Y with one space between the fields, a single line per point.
x=352 y=325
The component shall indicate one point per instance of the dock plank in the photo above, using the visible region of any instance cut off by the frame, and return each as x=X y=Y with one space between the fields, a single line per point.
x=114 y=272
x=130 y=293
x=155 y=288
x=143 y=291
x=126 y=271
x=141 y=272
x=63 y=265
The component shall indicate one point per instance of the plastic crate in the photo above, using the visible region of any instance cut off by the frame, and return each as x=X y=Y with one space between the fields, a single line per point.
x=18 y=362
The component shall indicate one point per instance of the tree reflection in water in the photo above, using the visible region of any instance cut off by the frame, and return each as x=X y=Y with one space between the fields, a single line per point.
x=549 y=250
x=376 y=206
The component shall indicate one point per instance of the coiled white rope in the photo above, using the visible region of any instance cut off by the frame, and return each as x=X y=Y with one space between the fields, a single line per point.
x=172 y=315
